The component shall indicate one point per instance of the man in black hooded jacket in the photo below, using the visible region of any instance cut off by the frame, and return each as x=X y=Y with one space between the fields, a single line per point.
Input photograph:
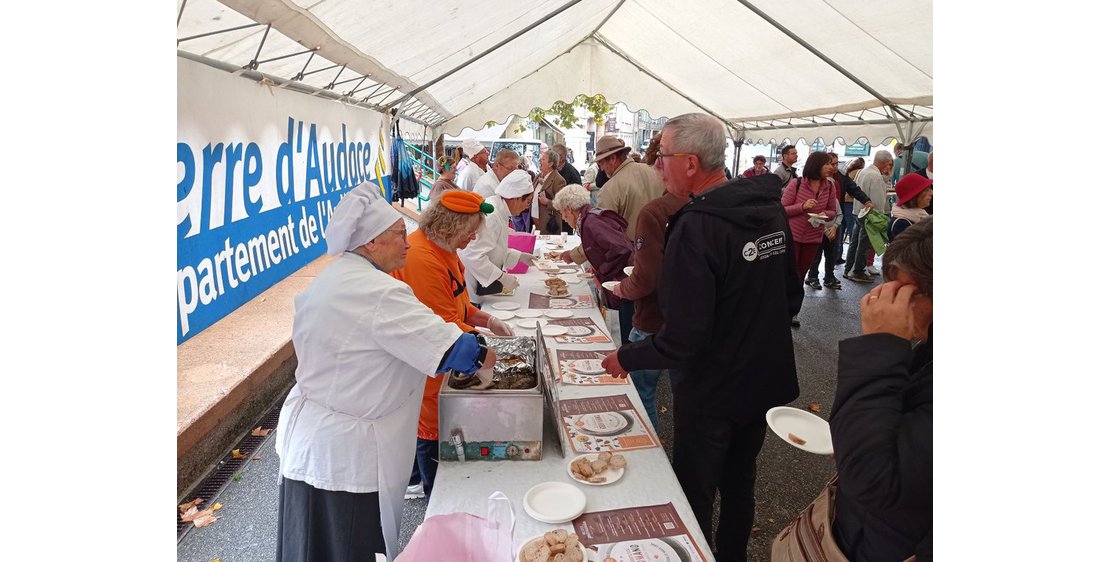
x=727 y=294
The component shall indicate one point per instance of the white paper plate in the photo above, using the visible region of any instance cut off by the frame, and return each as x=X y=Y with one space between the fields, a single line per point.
x=553 y=330
x=611 y=474
x=560 y=301
x=785 y=420
x=505 y=306
x=610 y=284
x=554 y=502
x=587 y=366
x=579 y=331
x=520 y=553
x=528 y=313
x=585 y=275
x=570 y=279
x=530 y=322
x=628 y=270
x=502 y=314
x=558 y=313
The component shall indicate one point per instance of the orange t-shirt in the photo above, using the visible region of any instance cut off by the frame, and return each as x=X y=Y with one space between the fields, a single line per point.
x=436 y=278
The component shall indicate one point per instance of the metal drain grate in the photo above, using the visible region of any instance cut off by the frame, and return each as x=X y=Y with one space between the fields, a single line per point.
x=226 y=469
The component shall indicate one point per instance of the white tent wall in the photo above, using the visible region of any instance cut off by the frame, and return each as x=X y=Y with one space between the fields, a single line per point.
x=758 y=65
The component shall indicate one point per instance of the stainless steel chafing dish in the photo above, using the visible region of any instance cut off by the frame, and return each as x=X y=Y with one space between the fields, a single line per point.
x=504 y=422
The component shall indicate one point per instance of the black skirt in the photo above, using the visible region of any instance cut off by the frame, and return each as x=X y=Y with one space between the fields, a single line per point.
x=317 y=525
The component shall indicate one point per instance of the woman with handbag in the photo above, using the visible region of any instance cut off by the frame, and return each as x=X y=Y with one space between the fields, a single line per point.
x=880 y=505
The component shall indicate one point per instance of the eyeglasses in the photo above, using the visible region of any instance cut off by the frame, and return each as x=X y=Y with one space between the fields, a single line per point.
x=661 y=155
x=400 y=231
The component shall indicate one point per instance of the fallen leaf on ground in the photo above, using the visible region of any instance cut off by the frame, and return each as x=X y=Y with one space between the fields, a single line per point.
x=815 y=407
x=235 y=454
x=217 y=506
x=259 y=432
x=755 y=530
x=256 y=458
x=205 y=520
x=190 y=514
x=185 y=506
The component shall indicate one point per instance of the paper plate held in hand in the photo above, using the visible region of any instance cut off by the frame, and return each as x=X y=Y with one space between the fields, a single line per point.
x=801 y=429
x=628 y=270
x=610 y=284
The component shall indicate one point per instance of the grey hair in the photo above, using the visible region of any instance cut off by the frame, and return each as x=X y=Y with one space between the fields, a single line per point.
x=699 y=134
x=552 y=157
x=882 y=156
x=571 y=198
x=508 y=157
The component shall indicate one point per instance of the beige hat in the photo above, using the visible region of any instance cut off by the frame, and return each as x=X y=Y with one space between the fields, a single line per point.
x=362 y=214
x=610 y=145
x=472 y=147
x=516 y=184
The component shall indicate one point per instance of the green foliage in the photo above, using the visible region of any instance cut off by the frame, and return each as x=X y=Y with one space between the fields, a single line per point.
x=563 y=112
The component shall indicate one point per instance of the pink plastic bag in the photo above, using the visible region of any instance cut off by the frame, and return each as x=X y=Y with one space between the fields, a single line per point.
x=462 y=537
x=526 y=243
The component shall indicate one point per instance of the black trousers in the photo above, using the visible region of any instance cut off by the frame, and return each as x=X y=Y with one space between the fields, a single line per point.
x=716 y=453
x=830 y=250
x=317 y=525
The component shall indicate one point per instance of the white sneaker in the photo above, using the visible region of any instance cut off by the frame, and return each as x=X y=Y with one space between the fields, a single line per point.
x=415 y=491
x=871 y=269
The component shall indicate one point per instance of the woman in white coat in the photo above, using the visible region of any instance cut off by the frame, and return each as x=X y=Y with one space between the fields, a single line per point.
x=364 y=346
x=489 y=254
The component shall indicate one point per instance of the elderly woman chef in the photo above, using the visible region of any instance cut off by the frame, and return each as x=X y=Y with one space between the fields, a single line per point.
x=365 y=345
x=485 y=257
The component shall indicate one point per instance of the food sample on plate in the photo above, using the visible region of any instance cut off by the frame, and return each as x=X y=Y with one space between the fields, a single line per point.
x=553 y=546
x=796 y=439
x=590 y=471
x=552 y=255
x=556 y=287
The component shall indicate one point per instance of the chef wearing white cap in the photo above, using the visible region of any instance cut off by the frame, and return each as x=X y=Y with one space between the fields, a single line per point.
x=364 y=345
x=487 y=255
x=479 y=158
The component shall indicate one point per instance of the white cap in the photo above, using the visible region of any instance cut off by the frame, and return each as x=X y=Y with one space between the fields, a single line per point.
x=362 y=214
x=516 y=184
x=472 y=147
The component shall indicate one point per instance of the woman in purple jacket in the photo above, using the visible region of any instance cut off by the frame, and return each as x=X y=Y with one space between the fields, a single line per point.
x=604 y=243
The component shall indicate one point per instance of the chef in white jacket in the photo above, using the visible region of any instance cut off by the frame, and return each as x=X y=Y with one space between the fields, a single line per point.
x=479 y=158
x=364 y=345
x=489 y=254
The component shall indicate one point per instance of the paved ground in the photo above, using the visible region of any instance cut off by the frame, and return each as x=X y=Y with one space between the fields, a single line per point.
x=788 y=478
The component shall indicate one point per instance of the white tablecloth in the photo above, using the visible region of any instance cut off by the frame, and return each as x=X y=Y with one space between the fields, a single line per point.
x=649 y=480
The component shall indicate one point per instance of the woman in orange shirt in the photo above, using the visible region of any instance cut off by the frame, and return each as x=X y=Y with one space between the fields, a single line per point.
x=433 y=270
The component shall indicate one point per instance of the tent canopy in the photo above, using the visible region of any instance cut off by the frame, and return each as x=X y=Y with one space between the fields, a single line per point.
x=770 y=70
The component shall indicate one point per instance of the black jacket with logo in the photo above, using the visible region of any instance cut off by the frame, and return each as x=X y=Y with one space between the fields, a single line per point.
x=727 y=294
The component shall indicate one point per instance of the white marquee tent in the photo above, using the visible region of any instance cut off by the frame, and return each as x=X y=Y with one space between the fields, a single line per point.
x=769 y=69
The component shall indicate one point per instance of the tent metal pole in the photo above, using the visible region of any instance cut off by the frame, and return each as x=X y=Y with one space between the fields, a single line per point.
x=300 y=75
x=821 y=56
x=481 y=55
x=313 y=50
x=303 y=74
x=181 y=11
x=237 y=28
x=337 y=75
x=253 y=64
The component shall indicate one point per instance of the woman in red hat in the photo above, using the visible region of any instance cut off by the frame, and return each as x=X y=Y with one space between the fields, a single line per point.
x=915 y=193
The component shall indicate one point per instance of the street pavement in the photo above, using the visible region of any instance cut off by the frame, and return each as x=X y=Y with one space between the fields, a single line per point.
x=788 y=478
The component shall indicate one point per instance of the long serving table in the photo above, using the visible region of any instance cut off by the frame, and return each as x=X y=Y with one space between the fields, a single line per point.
x=648 y=480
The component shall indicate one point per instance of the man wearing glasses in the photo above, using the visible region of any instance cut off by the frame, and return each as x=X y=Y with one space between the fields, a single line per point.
x=727 y=293
x=507 y=160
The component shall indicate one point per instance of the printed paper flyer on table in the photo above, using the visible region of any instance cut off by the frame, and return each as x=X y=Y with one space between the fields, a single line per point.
x=636 y=534
x=584 y=368
x=581 y=330
x=570 y=301
x=604 y=423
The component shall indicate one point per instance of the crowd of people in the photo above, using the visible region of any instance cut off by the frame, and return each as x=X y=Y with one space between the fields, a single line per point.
x=719 y=276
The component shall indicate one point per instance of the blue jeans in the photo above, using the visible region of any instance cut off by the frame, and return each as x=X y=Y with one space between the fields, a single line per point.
x=425 y=465
x=646 y=381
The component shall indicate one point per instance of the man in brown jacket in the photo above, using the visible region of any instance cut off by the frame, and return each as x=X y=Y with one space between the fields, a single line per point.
x=630 y=185
x=548 y=183
x=647 y=270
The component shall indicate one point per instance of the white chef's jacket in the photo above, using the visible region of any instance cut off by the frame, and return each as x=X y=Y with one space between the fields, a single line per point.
x=487 y=255
x=469 y=176
x=365 y=346
x=487 y=185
